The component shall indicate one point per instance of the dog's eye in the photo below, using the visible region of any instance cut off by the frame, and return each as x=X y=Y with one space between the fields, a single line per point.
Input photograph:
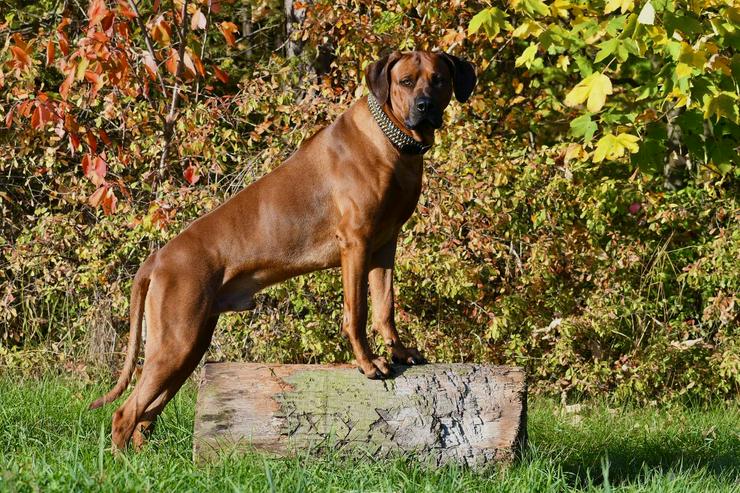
x=437 y=80
x=407 y=83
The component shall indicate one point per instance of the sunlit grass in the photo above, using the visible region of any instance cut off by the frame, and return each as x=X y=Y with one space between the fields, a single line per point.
x=50 y=442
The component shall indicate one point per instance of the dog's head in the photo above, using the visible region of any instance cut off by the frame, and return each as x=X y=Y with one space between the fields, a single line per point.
x=418 y=85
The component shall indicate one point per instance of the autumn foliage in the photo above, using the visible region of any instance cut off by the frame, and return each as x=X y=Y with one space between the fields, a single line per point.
x=580 y=215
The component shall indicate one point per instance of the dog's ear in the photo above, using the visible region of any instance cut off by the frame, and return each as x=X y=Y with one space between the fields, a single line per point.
x=463 y=76
x=378 y=76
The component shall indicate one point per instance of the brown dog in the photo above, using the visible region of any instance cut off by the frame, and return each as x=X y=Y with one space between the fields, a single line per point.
x=340 y=200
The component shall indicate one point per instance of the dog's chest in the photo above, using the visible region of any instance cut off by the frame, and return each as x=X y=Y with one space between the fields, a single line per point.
x=403 y=191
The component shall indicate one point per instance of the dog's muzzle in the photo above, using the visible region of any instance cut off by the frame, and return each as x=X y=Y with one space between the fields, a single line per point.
x=424 y=111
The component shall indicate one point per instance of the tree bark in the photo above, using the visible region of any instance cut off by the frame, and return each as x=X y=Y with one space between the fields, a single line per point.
x=473 y=415
x=294 y=18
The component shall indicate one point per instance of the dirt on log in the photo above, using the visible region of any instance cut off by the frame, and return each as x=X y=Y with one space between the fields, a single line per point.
x=473 y=415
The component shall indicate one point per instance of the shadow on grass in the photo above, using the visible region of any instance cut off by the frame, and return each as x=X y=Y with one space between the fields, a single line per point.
x=626 y=452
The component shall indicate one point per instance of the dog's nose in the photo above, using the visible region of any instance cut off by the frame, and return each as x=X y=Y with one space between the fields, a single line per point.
x=423 y=104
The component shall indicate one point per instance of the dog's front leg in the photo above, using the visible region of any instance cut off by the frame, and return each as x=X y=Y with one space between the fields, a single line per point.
x=354 y=279
x=381 y=290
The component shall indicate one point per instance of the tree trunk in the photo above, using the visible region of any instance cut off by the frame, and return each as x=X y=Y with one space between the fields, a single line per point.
x=294 y=18
x=473 y=415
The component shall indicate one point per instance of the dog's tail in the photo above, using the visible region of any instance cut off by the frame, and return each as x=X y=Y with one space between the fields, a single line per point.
x=139 y=290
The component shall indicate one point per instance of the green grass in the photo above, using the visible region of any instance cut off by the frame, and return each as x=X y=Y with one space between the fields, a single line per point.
x=50 y=442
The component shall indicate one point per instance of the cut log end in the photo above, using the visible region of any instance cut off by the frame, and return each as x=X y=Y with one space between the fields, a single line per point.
x=473 y=415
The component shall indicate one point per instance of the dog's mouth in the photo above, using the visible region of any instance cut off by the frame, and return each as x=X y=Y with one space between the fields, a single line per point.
x=430 y=120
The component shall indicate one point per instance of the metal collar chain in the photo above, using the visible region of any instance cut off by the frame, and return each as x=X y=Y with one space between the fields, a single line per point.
x=403 y=142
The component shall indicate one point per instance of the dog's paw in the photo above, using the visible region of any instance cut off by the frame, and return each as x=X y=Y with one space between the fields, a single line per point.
x=376 y=369
x=408 y=356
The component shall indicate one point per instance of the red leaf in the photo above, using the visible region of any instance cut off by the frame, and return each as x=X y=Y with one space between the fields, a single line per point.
x=221 y=75
x=150 y=65
x=85 y=164
x=18 y=39
x=96 y=170
x=63 y=43
x=97 y=196
x=95 y=79
x=9 y=117
x=91 y=77
x=228 y=29
x=74 y=142
x=50 y=52
x=100 y=37
x=125 y=9
x=64 y=23
x=22 y=58
x=191 y=174
x=198 y=64
x=107 y=21
x=161 y=31
x=65 y=86
x=104 y=137
x=109 y=202
x=171 y=63
x=124 y=30
x=91 y=141
x=25 y=108
x=41 y=115
x=96 y=12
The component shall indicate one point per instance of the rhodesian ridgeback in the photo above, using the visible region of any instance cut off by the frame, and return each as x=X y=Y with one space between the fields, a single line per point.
x=339 y=200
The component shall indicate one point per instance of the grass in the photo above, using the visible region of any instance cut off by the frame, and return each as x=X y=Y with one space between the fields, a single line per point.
x=50 y=442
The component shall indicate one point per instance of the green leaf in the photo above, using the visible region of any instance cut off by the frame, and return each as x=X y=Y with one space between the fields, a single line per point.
x=593 y=89
x=491 y=20
x=527 y=57
x=531 y=6
x=584 y=65
x=724 y=105
x=584 y=127
x=607 y=48
x=478 y=20
x=651 y=155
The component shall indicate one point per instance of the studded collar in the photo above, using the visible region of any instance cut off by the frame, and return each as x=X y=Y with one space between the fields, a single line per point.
x=403 y=142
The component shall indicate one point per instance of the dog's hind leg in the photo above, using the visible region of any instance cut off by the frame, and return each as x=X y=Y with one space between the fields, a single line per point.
x=178 y=316
x=145 y=424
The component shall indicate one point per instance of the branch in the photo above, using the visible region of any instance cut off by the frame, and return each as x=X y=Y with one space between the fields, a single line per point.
x=148 y=42
x=203 y=47
x=169 y=124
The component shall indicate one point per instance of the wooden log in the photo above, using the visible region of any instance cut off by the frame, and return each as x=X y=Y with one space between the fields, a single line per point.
x=470 y=414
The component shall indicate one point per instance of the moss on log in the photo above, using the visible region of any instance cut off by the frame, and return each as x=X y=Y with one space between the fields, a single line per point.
x=470 y=414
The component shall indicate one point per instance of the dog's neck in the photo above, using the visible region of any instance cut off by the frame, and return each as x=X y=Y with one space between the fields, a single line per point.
x=407 y=141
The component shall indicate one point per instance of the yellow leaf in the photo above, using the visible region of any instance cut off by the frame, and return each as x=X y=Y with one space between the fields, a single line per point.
x=560 y=8
x=574 y=151
x=623 y=5
x=577 y=95
x=563 y=62
x=690 y=56
x=613 y=147
x=683 y=70
x=527 y=29
x=629 y=142
x=593 y=89
x=603 y=147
